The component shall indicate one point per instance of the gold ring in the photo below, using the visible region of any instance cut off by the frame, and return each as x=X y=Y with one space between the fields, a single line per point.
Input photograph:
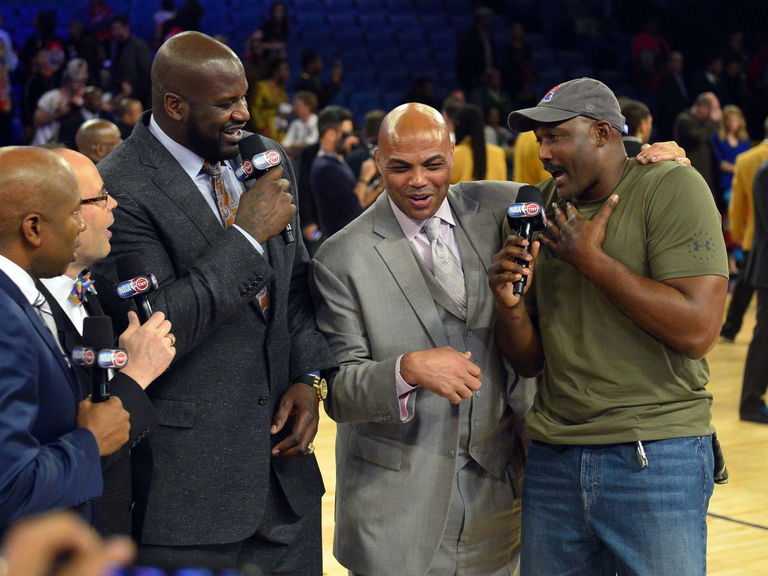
x=172 y=338
x=310 y=448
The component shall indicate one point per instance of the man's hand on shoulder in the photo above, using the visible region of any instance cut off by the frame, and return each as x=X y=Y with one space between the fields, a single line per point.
x=658 y=151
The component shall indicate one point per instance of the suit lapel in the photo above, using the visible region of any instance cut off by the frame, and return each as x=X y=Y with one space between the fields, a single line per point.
x=13 y=291
x=395 y=251
x=171 y=180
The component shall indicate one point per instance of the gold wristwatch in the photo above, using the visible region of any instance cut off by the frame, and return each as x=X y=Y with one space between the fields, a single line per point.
x=319 y=385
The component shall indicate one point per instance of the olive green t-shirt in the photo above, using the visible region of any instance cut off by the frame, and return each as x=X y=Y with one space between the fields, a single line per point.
x=605 y=379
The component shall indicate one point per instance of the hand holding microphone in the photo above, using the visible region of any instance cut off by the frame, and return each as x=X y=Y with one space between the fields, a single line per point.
x=525 y=217
x=266 y=208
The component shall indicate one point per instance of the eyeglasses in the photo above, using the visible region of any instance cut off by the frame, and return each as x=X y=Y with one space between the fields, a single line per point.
x=95 y=200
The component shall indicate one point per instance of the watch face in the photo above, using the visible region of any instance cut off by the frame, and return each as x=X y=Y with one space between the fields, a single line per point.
x=322 y=389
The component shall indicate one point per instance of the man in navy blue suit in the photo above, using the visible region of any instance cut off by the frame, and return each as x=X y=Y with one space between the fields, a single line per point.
x=50 y=442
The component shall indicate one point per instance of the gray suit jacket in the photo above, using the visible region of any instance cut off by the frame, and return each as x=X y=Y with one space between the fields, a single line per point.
x=394 y=479
x=211 y=450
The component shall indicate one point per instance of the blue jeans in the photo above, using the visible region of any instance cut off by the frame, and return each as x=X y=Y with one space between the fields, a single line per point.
x=594 y=511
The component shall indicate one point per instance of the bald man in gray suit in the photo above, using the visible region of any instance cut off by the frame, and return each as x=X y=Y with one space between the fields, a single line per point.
x=428 y=455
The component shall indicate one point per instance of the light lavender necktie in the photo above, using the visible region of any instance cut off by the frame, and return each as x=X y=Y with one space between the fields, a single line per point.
x=43 y=310
x=446 y=267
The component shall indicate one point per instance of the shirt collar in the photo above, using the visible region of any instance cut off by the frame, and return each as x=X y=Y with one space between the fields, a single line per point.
x=59 y=286
x=20 y=277
x=411 y=227
x=190 y=162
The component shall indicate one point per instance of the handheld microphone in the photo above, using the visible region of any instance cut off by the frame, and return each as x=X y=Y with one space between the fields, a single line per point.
x=257 y=162
x=135 y=283
x=524 y=217
x=97 y=334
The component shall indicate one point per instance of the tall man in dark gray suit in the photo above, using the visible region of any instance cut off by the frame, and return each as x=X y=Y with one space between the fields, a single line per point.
x=234 y=481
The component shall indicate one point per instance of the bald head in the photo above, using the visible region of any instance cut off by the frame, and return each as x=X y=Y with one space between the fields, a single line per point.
x=198 y=95
x=414 y=157
x=96 y=138
x=40 y=219
x=413 y=121
x=183 y=62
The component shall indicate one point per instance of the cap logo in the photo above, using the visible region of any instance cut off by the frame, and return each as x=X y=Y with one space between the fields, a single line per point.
x=589 y=107
x=548 y=96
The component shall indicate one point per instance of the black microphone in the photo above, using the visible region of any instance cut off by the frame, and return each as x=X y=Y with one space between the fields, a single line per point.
x=525 y=216
x=257 y=161
x=97 y=334
x=135 y=283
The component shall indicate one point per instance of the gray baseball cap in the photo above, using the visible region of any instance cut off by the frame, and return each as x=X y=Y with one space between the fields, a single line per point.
x=580 y=97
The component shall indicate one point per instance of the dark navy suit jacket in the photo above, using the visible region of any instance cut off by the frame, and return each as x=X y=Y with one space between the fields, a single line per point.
x=46 y=461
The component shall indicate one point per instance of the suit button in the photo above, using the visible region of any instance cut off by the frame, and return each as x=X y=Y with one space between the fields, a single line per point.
x=451 y=453
x=470 y=333
x=263 y=400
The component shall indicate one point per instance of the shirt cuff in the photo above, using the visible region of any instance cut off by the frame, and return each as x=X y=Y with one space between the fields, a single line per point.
x=256 y=244
x=404 y=391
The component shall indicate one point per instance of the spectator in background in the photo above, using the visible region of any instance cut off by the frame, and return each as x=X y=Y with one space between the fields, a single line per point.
x=693 y=131
x=752 y=407
x=311 y=79
x=517 y=67
x=128 y=115
x=360 y=154
x=93 y=107
x=730 y=140
x=131 y=62
x=711 y=78
x=526 y=165
x=423 y=92
x=256 y=57
x=55 y=104
x=492 y=94
x=96 y=138
x=339 y=196
x=672 y=95
x=639 y=125
x=45 y=37
x=6 y=102
x=81 y=44
x=497 y=133
x=42 y=78
x=277 y=29
x=475 y=51
x=268 y=103
x=473 y=158
x=650 y=51
x=9 y=58
x=450 y=109
x=741 y=224
x=302 y=130
x=99 y=16
x=188 y=17
x=159 y=18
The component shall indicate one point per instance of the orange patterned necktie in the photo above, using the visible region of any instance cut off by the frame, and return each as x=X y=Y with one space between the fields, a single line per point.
x=226 y=204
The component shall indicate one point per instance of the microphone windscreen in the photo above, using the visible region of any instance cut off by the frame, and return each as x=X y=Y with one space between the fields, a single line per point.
x=528 y=193
x=130 y=266
x=250 y=146
x=97 y=332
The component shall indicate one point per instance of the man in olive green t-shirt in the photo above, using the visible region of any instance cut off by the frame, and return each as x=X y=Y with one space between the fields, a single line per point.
x=629 y=290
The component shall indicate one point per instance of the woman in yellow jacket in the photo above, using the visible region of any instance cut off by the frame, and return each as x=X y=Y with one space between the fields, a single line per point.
x=473 y=158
